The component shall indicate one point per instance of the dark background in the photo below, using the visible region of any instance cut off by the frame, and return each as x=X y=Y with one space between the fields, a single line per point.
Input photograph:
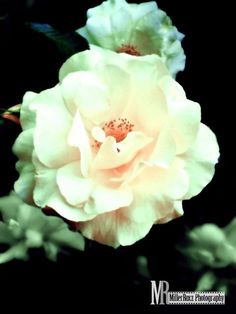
x=104 y=279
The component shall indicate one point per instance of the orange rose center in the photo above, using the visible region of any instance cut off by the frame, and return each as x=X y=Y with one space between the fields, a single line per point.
x=118 y=128
x=129 y=49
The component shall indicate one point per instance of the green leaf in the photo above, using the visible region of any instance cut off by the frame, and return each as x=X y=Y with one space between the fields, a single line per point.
x=67 y=43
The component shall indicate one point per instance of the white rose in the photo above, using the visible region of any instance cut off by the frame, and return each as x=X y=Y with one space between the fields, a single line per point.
x=115 y=147
x=137 y=29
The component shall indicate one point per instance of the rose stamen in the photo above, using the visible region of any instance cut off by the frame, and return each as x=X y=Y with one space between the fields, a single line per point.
x=118 y=128
x=129 y=49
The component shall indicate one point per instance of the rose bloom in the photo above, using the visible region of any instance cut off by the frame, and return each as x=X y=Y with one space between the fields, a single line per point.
x=136 y=29
x=210 y=245
x=116 y=146
x=24 y=227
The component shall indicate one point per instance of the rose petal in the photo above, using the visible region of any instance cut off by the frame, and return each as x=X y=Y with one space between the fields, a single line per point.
x=46 y=193
x=112 y=154
x=107 y=7
x=119 y=92
x=27 y=116
x=172 y=90
x=114 y=229
x=128 y=172
x=52 y=127
x=84 y=91
x=121 y=24
x=104 y=199
x=185 y=124
x=201 y=160
x=101 y=32
x=146 y=68
x=23 y=146
x=177 y=211
x=98 y=134
x=186 y=114
x=149 y=208
x=146 y=38
x=45 y=184
x=143 y=9
x=147 y=108
x=73 y=186
x=172 y=182
x=67 y=211
x=78 y=138
x=164 y=150
x=82 y=61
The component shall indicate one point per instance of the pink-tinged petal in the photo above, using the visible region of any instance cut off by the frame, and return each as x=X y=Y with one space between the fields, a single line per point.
x=47 y=194
x=175 y=182
x=115 y=228
x=125 y=174
x=119 y=92
x=147 y=108
x=84 y=91
x=107 y=155
x=148 y=207
x=153 y=208
x=58 y=203
x=105 y=199
x=172 y=182
x=98 y=134
x=79 y=139
x=176 y=212
x=53 y=123
x=113 y=155
x=185 y=123
x=133 y=142
x=72 y=185
x=164 y=150
x=185 y=115
x=201 y=160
